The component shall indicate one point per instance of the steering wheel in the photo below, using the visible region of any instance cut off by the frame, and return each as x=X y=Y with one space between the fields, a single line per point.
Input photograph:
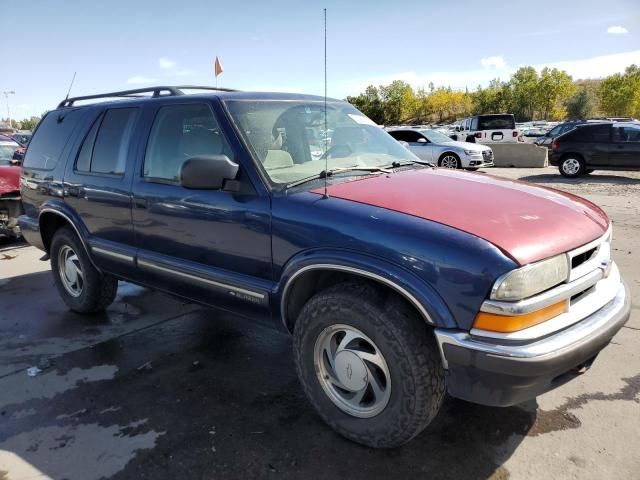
x=336 y=148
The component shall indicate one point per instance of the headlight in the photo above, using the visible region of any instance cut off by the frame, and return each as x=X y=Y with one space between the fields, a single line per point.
x=531 y=279
x=471 y=152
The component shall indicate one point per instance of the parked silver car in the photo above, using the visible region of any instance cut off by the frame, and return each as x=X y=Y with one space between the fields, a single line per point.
x=435 y=147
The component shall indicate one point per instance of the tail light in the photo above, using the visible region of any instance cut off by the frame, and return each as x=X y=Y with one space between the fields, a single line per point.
x=554 y=145
x=478 y=135
x=514 y=133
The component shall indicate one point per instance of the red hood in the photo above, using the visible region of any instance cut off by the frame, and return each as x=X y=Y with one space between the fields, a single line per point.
x=527 y=222
x=9 y=179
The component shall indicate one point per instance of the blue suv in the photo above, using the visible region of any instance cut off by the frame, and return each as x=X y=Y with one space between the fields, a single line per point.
x=399 y=281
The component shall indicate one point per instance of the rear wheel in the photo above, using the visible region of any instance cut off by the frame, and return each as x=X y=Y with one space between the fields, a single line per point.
x=449 y=160
x=571 y=166
x=368 y=364
x=83 y=288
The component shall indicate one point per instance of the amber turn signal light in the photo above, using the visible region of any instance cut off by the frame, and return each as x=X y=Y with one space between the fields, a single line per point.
x=508 y=324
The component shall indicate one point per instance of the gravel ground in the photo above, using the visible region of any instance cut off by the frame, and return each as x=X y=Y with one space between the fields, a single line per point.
x=156 y=388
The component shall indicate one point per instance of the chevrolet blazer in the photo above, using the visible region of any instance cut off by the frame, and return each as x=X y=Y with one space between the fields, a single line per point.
x=398 y=281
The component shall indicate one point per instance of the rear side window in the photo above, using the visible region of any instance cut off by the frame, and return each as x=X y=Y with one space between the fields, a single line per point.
x=50 y=138
x=626 y=134
x=496 y=122
x=105 y=147
x=592 y=134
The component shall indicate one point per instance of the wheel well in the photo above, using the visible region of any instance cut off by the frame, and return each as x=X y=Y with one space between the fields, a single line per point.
x=448 y=153
x=311 y=282
x=571 y=154
x=50 y=223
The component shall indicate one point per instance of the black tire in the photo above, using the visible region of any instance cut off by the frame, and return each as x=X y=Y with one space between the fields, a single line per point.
x=571 y=166
x=417 y=380
x=97 y=291
x=449 y=154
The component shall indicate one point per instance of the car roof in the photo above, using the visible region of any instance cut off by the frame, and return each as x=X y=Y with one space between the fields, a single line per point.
x=135 y=99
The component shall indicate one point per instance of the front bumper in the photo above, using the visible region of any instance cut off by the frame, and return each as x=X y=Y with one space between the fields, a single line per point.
x=503 y=374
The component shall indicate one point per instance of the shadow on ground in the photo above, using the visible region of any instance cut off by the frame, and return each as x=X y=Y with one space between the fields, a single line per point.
x=590 y=179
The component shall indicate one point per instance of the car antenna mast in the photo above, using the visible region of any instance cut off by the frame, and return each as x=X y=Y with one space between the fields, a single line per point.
x=326 y=159
x=70 y=85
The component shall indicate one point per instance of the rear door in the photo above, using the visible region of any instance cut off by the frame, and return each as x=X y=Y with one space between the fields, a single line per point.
x=97 y=185
x=212 y=246
x=625 y=147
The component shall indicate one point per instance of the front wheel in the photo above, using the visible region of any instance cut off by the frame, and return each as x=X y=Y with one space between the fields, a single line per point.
x=83 y=288
x=571 y=167
x=449 y=160
x=368 y=364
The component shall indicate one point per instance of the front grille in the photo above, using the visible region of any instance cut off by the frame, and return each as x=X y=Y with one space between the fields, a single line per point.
x=583 y=257
x=487 y=154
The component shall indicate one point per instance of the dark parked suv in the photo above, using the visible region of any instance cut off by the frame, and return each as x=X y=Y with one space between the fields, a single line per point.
x=597 y=146
x=302 y=211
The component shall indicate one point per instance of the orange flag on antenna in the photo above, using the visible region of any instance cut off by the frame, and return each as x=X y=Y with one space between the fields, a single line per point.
x=219 y=68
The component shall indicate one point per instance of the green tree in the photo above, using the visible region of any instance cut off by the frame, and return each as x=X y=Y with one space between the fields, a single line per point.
x=554 y=88
x=29 y=123
x=370 y=104
x=524 y=86
x=581 y=105
x=397 y=100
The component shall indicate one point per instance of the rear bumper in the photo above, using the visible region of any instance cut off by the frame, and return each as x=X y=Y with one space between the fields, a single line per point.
x=506 y=374
x=30 y=229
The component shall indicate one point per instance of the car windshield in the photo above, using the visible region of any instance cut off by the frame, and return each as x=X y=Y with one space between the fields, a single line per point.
x=435 y=137
x=291 y=139
x=6 y=153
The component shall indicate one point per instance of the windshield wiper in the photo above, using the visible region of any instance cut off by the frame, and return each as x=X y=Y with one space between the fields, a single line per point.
x=411 y=162
x=333 y=171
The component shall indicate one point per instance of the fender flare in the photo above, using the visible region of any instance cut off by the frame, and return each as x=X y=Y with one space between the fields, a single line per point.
x=412 y=288
x=60 y=209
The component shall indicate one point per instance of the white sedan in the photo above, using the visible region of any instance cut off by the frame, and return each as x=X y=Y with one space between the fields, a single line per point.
x=435 y=147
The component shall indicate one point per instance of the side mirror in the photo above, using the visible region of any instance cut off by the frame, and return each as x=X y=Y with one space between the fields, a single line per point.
x=207 y=172
x=453 y=137
x=422 y=140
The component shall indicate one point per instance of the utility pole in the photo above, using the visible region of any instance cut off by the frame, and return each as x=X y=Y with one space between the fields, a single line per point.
x=6 y=96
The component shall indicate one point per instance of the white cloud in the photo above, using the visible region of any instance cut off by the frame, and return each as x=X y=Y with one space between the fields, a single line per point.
x=166 y=63
x=138 y=79
x=617 y=30
x=182 y=73
x=495 y=61
x=595 y=67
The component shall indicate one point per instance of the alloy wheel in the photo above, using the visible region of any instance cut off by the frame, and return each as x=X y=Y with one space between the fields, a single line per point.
x=449 y=161
x=352 y=371
x=571 y=166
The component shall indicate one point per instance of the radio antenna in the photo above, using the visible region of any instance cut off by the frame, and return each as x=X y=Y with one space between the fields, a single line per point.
x=326 y=159
x=71 y=85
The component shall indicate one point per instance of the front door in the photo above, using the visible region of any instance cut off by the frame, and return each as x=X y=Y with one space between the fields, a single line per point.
x=212 y=246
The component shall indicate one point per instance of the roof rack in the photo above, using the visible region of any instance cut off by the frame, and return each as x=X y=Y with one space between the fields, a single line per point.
x=157 y=92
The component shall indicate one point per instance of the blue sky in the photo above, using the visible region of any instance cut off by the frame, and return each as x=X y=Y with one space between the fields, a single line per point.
x=277 y=45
